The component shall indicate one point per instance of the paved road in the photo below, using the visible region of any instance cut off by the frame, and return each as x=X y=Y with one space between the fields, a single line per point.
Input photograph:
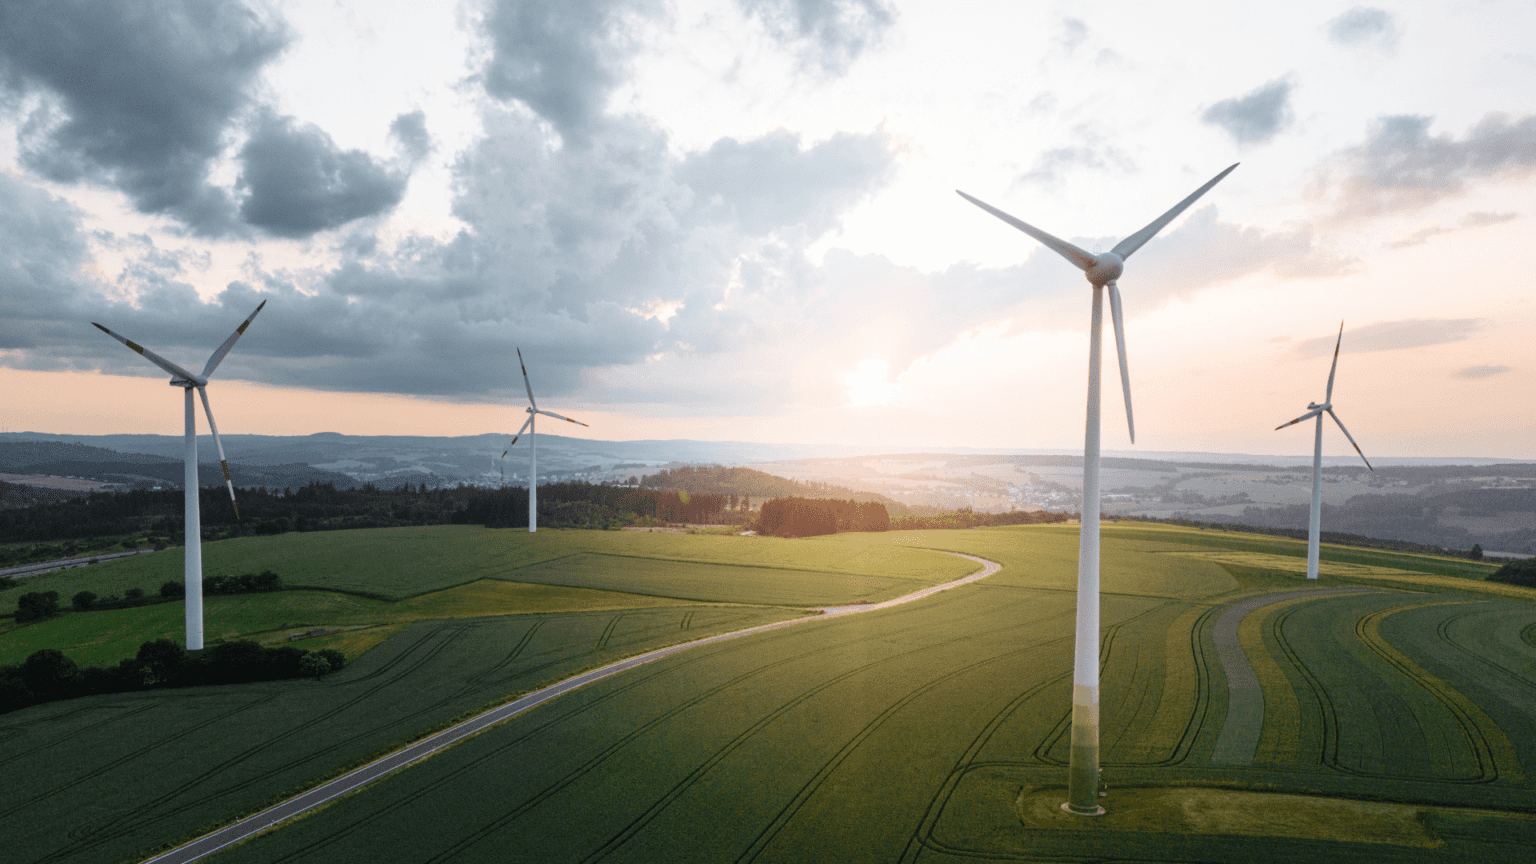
x=425 y=748
x=66 y=563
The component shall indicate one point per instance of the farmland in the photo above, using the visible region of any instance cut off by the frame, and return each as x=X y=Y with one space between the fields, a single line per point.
x=1383 y=713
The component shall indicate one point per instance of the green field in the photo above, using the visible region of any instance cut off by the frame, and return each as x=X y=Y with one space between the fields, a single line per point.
x=1394 y=722
x=407 y=574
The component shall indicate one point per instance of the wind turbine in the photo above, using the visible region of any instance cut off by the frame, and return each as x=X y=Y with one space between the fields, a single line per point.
x=1315 y=523
x=1101 y=271
x=193 y=549
x=533 y=410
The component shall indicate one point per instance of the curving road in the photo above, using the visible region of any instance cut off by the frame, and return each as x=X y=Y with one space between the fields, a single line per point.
x=279 y=813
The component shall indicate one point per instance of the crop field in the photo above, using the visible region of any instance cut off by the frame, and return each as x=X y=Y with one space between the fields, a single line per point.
x=408 y=574
x=1382 y=713
x=101 y=778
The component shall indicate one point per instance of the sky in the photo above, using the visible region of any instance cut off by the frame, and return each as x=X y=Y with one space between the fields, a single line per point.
x=737 y=219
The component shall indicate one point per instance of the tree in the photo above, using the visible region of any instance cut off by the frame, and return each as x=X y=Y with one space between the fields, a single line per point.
x=36 y=606
x=173 y=589
x=48 y=672
x=1521 y=572
x=1477 y=552
x=163 y=658
x=83 y=601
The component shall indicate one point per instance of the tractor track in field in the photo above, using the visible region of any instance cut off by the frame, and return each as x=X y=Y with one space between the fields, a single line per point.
x=142 y=814
x=54 y=718
x=678 y=789
x=477 y=684
x=922 y=836
x=1481 y=747
x=129 y=757
x=636 y=681
x=1444 y=631
x=1329 y=755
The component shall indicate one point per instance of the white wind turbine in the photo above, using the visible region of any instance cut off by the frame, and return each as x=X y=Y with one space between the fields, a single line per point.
x=533 y=410
x=192 y=573
x=1101 y=270
x=1315 y=523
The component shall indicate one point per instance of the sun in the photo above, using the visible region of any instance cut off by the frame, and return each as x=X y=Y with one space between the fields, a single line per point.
x=867 y=385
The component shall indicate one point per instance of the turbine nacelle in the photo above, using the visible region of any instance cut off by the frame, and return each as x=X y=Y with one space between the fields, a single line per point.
x=1313 y=406
x=1106 y=269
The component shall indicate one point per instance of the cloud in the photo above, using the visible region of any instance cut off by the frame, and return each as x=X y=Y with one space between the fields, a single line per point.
x=1365 y=26
x=1073 y=32
x=1401 y=167
x=1256 y=116
x=770 y=182
x=1475 y=219
x=1393 y=335
x=1475 y=372
x=298 y=183
x=410 y=132
x=561 y=58
x=137 y=96
x=1052 y=165
x=831 y=34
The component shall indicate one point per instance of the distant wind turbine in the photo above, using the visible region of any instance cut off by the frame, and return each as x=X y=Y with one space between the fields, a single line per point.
x=1101 y=270
x=192 y=573
x=533 y=410
x=1315 y=524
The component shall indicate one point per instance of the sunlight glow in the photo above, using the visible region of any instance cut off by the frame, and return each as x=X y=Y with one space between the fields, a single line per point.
x=867 y=384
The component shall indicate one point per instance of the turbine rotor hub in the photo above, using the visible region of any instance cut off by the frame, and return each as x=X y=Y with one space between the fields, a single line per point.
x=1107 y=268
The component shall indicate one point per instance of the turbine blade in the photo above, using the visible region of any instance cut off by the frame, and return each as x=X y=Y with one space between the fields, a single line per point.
x=218 y=356
x=1125 y=370
x=525 y=379
x=566 y=419
x=526 y=424
x=149 y=355
x=1078 y=257
x=1335 y=367
x=1307 y=416
x=219 y=445
x=1350 y=437
x=1130 y=244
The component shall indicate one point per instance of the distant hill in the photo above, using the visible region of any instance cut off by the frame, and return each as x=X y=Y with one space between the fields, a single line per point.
x=62 y=459
x=720 y=480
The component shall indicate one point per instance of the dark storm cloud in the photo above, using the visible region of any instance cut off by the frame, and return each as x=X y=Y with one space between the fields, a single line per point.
x=831 y=34
x=136 y=94
x=299 y=183
x=1365 y=25
x=1393 y=335
x=410 y=132
x=771 y=182
x=1256 y=116
x=1402 y=167
x=1475 y=372
x=561 y=58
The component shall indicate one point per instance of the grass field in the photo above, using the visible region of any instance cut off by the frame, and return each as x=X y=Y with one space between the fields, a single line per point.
x=449 y=571
x=1391 y=724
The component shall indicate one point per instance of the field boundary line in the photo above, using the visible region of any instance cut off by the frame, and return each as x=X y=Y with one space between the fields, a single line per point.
x=271 y=817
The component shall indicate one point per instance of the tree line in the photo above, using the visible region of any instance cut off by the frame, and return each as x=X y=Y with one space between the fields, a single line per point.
x=806 y=517
x=48 y=675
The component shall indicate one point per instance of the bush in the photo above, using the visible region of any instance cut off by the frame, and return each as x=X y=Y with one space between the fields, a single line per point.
x=36 y=606
x=162 y=659
x=83 y=601
x=173 y=589
x=48 y=673
x=133 y=594
x=313 y=665
x=1521 y=572
x=333 y=657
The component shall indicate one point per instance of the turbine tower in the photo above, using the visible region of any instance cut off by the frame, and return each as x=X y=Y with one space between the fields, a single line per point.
x=1101 y=271
x=533 y=410
x=192 y=573
x=1315 y=523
